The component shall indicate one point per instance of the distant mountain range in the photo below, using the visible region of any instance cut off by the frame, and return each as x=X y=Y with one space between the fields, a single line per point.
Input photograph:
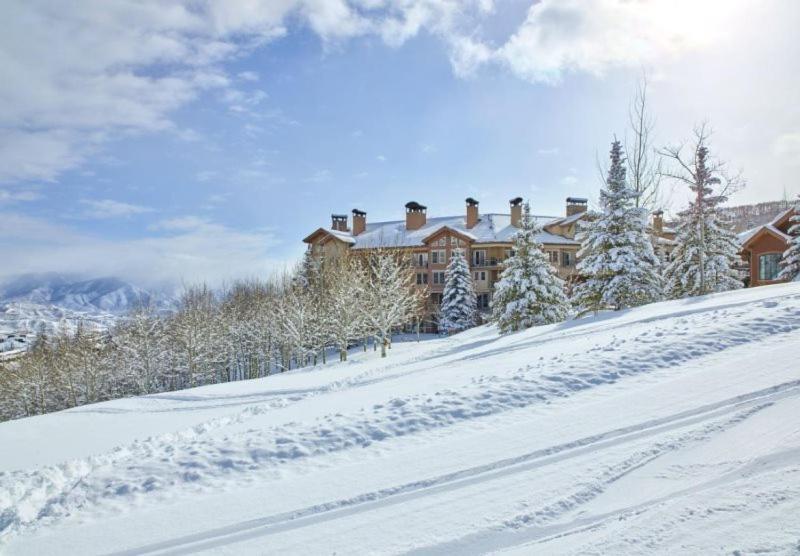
x=60 y=301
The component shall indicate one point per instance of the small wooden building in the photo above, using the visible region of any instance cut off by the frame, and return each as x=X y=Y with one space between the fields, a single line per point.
x=763 y=248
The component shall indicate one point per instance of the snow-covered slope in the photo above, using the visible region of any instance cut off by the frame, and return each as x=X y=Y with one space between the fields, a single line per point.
x=671 y=428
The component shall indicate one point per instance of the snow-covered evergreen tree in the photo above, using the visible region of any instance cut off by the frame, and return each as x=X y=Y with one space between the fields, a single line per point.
x=707 y=249
x=791 y=257
x=616 y=261
x=529 y=291
x=459 y=304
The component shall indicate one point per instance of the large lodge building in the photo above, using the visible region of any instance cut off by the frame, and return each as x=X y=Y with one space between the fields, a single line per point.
x=486 y=239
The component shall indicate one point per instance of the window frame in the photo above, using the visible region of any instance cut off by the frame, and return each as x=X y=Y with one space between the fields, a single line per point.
x=761 y=267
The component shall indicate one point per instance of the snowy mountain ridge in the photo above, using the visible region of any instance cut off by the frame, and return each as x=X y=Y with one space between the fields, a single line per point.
x=58 y=302
x=107 y=294
x=669 y=428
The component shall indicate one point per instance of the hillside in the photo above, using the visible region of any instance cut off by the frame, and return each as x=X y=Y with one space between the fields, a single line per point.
x=671 y=428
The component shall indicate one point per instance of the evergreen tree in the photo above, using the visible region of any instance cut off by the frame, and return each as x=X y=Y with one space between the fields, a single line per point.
x=529 y=291
x=616 y=261
x=707 y=249
x=459 y=304
x=791 y=257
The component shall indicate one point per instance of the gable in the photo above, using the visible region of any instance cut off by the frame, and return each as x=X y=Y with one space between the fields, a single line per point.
x=447 y=231
x=765 y=233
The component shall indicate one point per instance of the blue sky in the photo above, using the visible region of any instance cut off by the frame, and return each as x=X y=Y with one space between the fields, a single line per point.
x=204 y=140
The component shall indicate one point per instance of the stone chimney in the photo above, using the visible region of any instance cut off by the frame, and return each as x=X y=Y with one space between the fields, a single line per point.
x=658 y=222
x=516 y=211
x=359 y=221
x=472 y=212
x=576 y=205
x=339 y=222
x=415 y=215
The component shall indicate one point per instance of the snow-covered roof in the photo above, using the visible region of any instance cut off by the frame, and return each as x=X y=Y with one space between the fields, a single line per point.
x=491 y=228
x=746 y=236
x=567 y=220
x=781 y=216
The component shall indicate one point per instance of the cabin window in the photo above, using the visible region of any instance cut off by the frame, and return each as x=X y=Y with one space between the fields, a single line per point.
x=769 y=266
x=438 y=256
x=438 y=277
x=480 y=276
x=483 y=300
x=553 y=257
x=422 y=278
x=479 y=257
x=566 y=258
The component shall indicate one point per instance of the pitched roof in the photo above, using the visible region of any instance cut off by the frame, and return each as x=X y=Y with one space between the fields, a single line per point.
x=749 y=235
x=491 y=228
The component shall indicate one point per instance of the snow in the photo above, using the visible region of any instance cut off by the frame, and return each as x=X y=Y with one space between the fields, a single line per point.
x=491 y=228
x=669 y=428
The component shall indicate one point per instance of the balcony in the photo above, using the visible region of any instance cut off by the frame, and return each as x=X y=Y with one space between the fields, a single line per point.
x=488 y=262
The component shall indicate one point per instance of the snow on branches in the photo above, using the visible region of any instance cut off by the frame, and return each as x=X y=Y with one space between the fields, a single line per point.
x=617 y=264
x=790 y=262
x=529 y=291
x=459 y=304
x=707 y=249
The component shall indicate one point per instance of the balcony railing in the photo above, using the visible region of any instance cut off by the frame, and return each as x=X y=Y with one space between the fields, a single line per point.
x=487 y=262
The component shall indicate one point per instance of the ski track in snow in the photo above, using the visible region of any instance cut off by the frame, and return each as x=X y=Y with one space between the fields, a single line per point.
x=196 y=460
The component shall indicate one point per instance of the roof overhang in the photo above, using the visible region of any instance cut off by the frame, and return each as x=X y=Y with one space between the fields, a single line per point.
x=314 y=236
x=765 y=230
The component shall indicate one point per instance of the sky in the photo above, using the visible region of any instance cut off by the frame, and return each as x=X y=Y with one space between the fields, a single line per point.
x=168 y=141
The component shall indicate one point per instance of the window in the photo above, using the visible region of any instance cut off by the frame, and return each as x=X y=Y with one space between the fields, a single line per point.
x=553 y=257
x=566 y=258
x=438 y=277
x=438 y=256
x=483 y=300
x=480 y=276
x=420 y=259
x=479 y=257
x=442 y=241
x=436 y=298
x=422 y=278
x=769 y=266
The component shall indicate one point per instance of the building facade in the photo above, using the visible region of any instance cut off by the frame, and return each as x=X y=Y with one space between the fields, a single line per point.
x=762 y=250
x=486 y=239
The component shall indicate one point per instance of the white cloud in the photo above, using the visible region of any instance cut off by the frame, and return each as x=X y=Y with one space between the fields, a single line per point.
x=7 y=197
x=552 y=151
x=569 y=180
x=79 y=77
x=594 y=35
x=124 y=67
x=248 y=76
x=184 y=249
x=381 y=158
x=108 y=208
